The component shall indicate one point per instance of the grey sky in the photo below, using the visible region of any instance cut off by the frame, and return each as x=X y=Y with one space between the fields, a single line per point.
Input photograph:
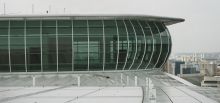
x=199 y=33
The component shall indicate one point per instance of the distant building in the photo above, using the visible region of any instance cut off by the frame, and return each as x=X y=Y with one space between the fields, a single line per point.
x=211 y=81
x=176 y=66
x=188 y=68
x=208 y=68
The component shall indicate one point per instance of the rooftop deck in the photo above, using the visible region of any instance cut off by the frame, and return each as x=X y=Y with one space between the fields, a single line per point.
x=113 y=86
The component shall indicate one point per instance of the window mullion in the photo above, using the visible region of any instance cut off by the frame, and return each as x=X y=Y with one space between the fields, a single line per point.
x=72 y=47
x=153 y=44
x=127 y=45
x=135 y=54
x=168 y=42
x=41 y=46
x=25 y=44
x=88 y=41
x=103 y=29
x=144 y=44
x=160 y=45
x=57 y=47
x=9 y=44
x=116 y=67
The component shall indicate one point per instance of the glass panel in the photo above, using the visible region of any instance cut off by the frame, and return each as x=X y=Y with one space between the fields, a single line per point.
x=149 y=45
x=169 y=41
x=4 y=56
x=80 y=23
x=80 y=37
x=96 y=55
x=3 y=28
x=33 y=54
x=157 y=43
x=65 y=45
x=33 y=28
x=17 y=46
x=17 y=54
x=64 y=27
x=65 y=53
x=3 y=23
x=33 y=23
x=49 y=55
x=110 y=44
x=164 y=37
x=4 y=41
x=95 y=45
x=49 y=27
x=3 y=31
x=33 y=48
x=132 y=45
x=80 y=31
x=4 y=61
x=140 y=45
x=17 y=28
x=81 y=55
x=123 y=44
x=95 y=23
x=33 y=31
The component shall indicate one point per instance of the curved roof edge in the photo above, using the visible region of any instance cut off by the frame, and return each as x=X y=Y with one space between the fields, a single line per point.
x=166 y=20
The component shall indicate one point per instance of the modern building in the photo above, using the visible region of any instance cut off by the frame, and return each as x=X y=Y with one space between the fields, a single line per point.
x=49 y=59
x=55 y=43
x=177 y=66
x=208 y=68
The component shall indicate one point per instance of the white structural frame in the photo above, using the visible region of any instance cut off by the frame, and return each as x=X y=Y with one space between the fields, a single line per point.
x=57 y=47
x=9 y=44
x=116 y=23
x=87 y=23
x=145 y=45
x=135 y=54
x=41 y=45
x=127 y=45
x=72 y=47
x=161 y=47
x=25 y=44
x=103 y=28
x=152 y=35
x=168 y=40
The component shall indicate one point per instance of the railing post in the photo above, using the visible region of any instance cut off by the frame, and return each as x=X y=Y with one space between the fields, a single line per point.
x=135 y=82
x=121 y=78
x=33 y=81
x=78 y=81
x=127 y=80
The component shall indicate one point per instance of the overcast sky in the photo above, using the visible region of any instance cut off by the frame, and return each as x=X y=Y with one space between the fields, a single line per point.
x=199 y=33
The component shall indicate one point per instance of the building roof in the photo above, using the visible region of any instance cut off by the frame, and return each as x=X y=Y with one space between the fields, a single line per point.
x=166 y=20
x=95 y=87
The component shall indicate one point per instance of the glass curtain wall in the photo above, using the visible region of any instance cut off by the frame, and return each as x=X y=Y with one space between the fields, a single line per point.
x=149 y=37
x=82 y=45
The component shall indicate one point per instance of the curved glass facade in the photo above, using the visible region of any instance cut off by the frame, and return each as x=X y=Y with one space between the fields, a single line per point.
x=82 y=45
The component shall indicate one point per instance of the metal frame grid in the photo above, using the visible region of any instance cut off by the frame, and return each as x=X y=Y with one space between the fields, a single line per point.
x=104 y=48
